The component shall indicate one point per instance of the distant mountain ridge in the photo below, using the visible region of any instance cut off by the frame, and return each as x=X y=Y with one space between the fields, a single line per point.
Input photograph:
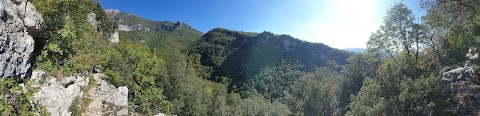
x=130 y=22
x=355 y=50
x=165 y=36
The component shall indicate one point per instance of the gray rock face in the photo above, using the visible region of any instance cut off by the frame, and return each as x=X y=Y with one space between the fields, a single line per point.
x=91 y=18
x=179 y=25
x=108 y=93
x=57 y=95
x=464 y=86
x=106 y=99
x=112 y=11
x=176 y=26
x=133 y=28
x=114 y=38
x=18 y=18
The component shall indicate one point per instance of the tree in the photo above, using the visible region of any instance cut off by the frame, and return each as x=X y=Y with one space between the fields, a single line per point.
x=453 y=26
x=398 y=34
x=355 y=72
x=316 y=94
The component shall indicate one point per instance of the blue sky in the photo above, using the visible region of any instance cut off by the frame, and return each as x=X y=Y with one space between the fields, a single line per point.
x=337 y=23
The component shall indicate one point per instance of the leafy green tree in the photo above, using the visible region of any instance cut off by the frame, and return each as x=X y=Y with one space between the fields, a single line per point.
x=316 y=94
x=398 y=34
x=423 y=96
x=453 y=28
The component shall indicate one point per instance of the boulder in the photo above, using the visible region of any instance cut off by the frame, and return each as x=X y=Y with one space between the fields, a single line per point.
x=109 y=93
x=123 y=112
x=114 y=38
x=55 y=97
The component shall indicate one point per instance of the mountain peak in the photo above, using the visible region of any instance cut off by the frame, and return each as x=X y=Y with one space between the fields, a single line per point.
x=112 y=11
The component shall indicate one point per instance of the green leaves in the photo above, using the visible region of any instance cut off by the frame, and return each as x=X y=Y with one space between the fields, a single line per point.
x=398 y=34
x=19 y=98
x=274 y=82
x=316 y=93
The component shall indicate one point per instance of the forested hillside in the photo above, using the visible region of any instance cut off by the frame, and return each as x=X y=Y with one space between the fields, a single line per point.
x=238 y=56
x=408 y=68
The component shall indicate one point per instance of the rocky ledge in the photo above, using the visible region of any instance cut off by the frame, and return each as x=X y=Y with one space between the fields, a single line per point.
x=464 y=85
x=59 y=94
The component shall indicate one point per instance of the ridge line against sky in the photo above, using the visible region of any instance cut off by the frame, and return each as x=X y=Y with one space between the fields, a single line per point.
x=337 y=23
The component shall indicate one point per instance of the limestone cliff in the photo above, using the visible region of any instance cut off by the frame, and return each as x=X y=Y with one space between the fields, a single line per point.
x=19 y=21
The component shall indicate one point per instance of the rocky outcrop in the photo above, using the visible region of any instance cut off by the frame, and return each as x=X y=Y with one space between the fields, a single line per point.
x=58 y=94
x=107 y=98
x=130 y=22
x=55 y=94
x=464 y=85
x=133 y=27
x=115 y=14
x=91 y=18
x=176 y=26
x=113 y=37
x=19 y=21
x=112 y=12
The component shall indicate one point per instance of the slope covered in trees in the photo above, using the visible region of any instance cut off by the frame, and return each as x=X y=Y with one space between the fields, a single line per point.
x=239 y=56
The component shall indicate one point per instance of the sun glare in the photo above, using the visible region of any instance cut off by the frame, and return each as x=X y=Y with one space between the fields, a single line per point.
x=357 y=17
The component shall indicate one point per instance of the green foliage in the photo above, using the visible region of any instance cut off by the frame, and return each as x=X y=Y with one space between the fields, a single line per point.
x=274 y=82
x=355 y=71
x=135 y=66
x=453 y=27
x=407 y=82
x=241 y=55
x=316 y=93
x=74 y=107
x=68 y=42
x=423 y=96
x=368 y=102
x=398 y=34
x=15 y=99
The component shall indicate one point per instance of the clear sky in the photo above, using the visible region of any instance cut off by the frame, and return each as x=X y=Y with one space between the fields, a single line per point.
x=337 y=23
